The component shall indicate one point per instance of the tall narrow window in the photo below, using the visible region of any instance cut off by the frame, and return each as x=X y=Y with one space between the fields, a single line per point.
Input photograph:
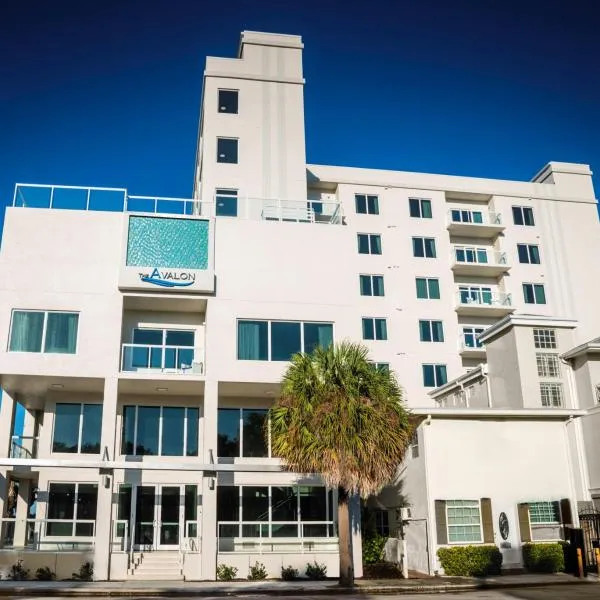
x=253 y=340
x=227 y=150
x=228 y=101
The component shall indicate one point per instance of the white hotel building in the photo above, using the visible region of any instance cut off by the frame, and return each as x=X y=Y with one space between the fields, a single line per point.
x=146 y=343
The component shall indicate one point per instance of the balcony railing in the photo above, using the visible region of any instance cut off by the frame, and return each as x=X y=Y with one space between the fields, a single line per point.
x=478 y=256
x=165 y=359
x=474 y=217
x=470 y=346
x=23 y=446
x=484 y=298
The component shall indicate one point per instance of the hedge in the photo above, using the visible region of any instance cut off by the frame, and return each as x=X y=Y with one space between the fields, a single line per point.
x=372 y=548
x=470 y=561
x=544 y=558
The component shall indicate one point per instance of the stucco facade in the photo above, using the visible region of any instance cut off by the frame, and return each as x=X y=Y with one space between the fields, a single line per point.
x=146 y=344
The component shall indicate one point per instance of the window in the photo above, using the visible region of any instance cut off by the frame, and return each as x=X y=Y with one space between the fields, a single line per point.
x=420 y=208
x=434 y=375
x=171 y=349
x=374 y=329
x=274 y=511
x=464 y=521
x=369 y=243
x=226 y=203
x=228 y=101
x=280 y=340
x=431 y=331
x=382 y=522
x=77 y=428
x=552 y=395
x=466 y=216
x=241 y=432
x=43 y=331
x=71 y=509
x=371 y=285
x=382 y=366
x=414 y=444
x=529 y=254
x=470 y=335
x=423 y=247
x=548 y=365
x=160 y=431
x=523 y=215
x=464 y=254
x=544 y=513
x=475 y=294
x=534 y=293
x=366 y=205
x=227 y=150
x=428 y=288
x=544 y=338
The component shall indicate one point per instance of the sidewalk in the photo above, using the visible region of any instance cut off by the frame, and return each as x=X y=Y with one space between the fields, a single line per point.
x=278 y=588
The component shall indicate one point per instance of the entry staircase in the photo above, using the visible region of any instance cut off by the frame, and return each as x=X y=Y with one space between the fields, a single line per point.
x=158 y=565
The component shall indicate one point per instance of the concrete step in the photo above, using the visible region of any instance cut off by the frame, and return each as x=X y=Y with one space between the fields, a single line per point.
x=155 y=577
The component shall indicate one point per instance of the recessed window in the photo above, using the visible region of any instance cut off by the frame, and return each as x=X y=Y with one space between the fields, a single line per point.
x=475 y=294
x=470 y=254
x=43 y=331
x=77 y=428
x=369 y=243
x=523 y=215
x=280 y=340
x=548 y=364
x=466 y=216
x=464 y=521
x=226 y=203
x=470 y=337
x=428 y=288
x=431 y=331
x=374 y=329
x=544 y=338
x=371 y=285
x=419 y=208
x=551 y=394
x=528 y=254
x=241 y=432
x=160 y=431
x=423 y=247
x=434 y=375
x=534 y=293
x=71 y=509
x=228 y=101
x=227 y=150
x=366 y=205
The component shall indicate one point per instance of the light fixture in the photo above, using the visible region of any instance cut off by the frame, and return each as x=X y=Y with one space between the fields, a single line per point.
x=57 y=386
x=162 y=389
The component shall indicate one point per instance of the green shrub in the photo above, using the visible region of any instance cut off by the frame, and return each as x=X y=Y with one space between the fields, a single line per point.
x=18 y=572
x=289 y=573
x=257 y=572
x=45 y=574
x=316 y=571
x=544 y=558
x=226 y=573
x=372 y=548
x=470 y=561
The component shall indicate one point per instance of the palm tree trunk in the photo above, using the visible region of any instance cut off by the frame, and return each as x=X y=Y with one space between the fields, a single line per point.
x=345 y=538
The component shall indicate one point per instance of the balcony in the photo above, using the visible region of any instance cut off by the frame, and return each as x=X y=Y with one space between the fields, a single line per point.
x=482 y=302
x=470 y=350
x=23 y=446
x=152 y=359
x=479 y=261
x=474 y=223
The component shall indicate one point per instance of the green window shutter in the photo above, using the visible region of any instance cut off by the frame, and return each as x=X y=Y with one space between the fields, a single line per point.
x=487 y=522
x=441 y=528
x=524 y=525
x=566 y=516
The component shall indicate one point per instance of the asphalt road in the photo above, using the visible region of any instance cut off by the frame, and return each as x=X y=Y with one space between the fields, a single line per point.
x=559 y=592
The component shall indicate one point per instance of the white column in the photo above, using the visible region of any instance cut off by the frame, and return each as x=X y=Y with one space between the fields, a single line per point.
x=356 y=535
x=7 y=421
x=209 y=496
x=22 y=513
x=104 y=520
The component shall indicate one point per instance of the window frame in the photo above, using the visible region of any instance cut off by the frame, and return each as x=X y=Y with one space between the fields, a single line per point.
x=475 y=331
x=160 y=430
x=269 y=336
x=468 y=213
x=545 y=338
x=374 y=322
x=431 y=330
x=548 y=365
x=554 y=503
x=75 y=518
x=535 y=288
x=529 y=251
x=44 y=329
x=522 y=211
x=82 y=406
x=372 y=287
x=420 y=204
x=237 y=101
x=435 y=367
x=428 y=281
x=237 y=150
x=228 y=193
x=448 y=525
x=241 y=426
x=371 y=204
x=371 y=237
x=423 y=240
x=548 y=386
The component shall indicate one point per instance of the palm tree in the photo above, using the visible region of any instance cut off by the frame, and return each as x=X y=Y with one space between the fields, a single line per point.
x=342 y=418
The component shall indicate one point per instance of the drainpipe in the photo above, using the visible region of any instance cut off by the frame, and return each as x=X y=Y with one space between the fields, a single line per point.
x=484 y=372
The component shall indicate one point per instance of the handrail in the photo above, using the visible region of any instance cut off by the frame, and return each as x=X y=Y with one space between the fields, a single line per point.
x=20 y=450
x=174 y=363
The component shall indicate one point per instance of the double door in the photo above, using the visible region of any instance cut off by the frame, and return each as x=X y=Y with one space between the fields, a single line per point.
x=158 y=519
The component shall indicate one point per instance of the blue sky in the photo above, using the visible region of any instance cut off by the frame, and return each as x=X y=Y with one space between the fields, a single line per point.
x=106 y=93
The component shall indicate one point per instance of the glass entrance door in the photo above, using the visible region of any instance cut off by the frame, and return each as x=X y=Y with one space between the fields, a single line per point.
x=145 y=504
x=170 y=509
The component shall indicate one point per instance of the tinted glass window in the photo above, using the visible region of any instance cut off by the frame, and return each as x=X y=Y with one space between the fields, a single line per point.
x=147 y=430
x=61 y=333
x=91 y=428
x=227 y=150
x=26 y=333
x=228 y=503
x=226 y=203
x=285 y=340
x=127 y=437
x=253 y=340
x=255 y=503
x=228 y=432
x=172 y=431
x=228 y=101
x=193 y=416
x=180 y=338
x=150 y=337
x=317 y=334
x=254 y=433
x=66 y=428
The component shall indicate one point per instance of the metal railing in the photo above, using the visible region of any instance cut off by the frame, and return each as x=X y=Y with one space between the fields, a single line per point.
x=473 y=217
x=470 y=347
x=166 y=359
x=478 y=256
x=483 y=298
x=276 y=536
x=47 y=534
x=24 y=446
